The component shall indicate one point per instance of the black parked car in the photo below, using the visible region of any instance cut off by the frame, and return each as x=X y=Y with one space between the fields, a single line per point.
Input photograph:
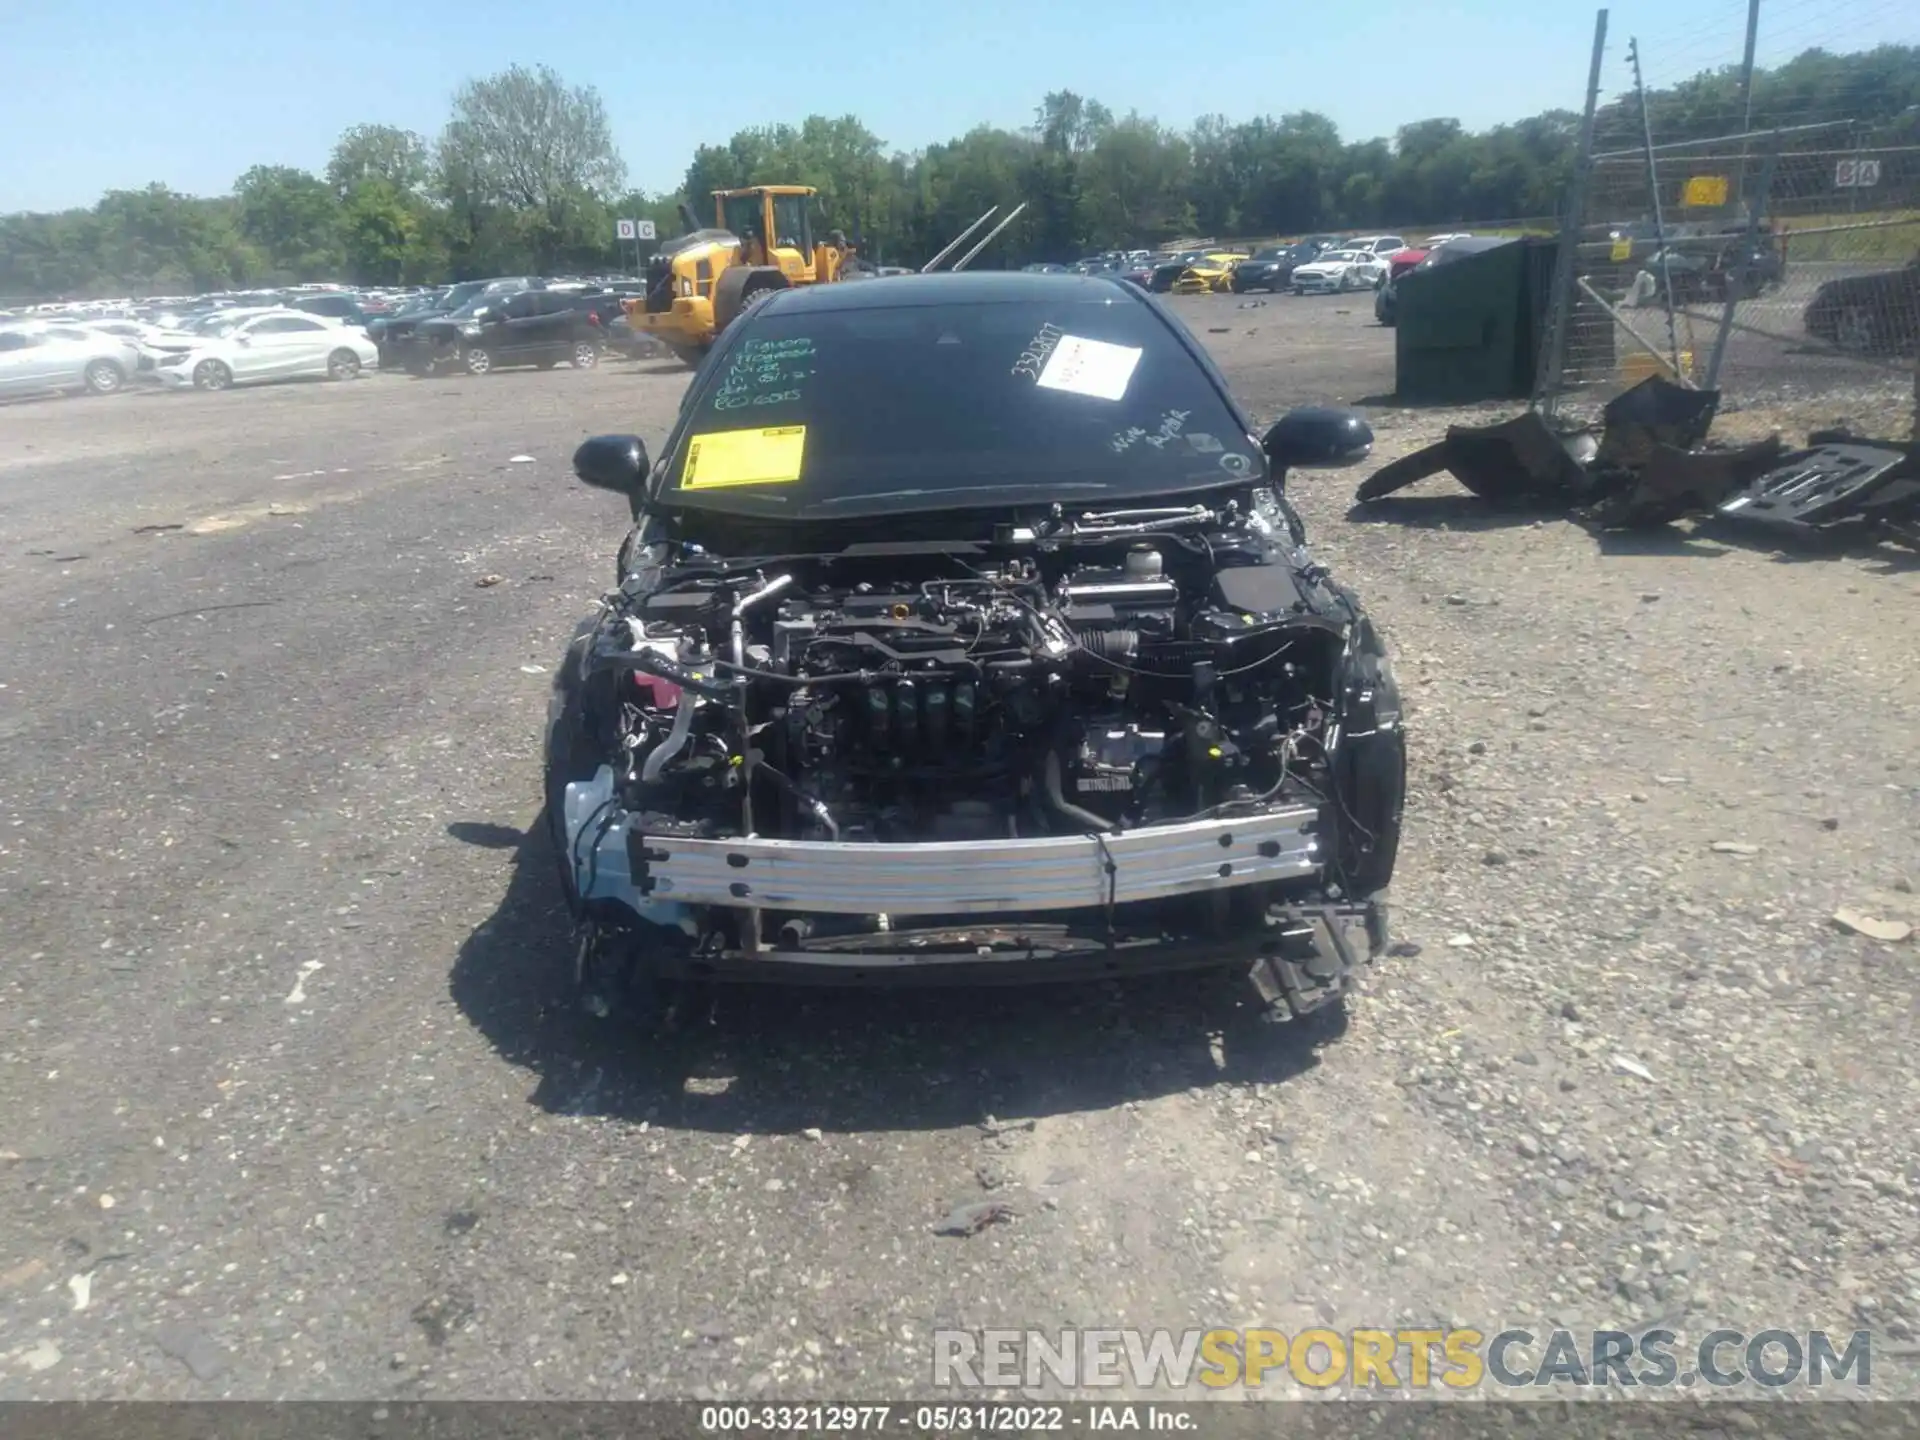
x=1160 y=279
x=392 y=332
x=887 y=694
x=1272 y=268
x=524 y=327
x=600 y=305
x=1703 y=270
x=1866 y=314
x=395 y=333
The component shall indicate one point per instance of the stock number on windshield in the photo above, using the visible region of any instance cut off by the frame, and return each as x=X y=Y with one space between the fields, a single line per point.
x=1038 y=349
x=921 y=1419
x=803 y=1419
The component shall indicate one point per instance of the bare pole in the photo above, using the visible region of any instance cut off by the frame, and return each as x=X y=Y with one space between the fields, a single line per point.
x=959 y=239
x=1777 y=131
x=1746 y=92
x=1737 y=281
x=1546 y=385
x=1746 y=64
x=1653 y=194
x=1012 y=215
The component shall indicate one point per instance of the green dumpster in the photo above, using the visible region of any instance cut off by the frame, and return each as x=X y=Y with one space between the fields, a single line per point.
x=1472 y=330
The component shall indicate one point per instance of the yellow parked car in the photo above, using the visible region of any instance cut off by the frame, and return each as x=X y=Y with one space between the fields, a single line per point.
x=1210 y=271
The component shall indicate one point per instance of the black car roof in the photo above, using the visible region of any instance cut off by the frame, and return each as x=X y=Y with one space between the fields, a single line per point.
x=975 y=287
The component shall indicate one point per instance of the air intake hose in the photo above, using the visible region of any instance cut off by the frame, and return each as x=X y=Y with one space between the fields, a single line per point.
x=1116 y=647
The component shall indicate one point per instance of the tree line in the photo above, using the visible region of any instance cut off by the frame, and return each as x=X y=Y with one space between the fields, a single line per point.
x=526 y=178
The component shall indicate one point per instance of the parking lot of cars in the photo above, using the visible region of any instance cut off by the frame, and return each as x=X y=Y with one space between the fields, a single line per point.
x=216 y=342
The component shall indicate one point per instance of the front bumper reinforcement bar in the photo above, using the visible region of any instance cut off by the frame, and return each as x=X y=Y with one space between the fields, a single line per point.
x=614 y=860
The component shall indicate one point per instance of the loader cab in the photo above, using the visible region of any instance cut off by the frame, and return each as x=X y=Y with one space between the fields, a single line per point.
x=775 y=226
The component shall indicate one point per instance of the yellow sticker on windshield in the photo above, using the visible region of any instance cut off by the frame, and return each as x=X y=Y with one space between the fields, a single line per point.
x=744 y=457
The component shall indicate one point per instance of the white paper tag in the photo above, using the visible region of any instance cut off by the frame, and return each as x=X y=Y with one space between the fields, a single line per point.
x=1090 y=367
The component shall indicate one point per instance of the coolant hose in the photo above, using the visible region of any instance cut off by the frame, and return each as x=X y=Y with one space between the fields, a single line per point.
x=1057 y=798
x=675 y=742
x=757 y=765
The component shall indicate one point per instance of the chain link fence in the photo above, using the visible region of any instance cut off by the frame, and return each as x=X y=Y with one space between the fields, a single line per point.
x=1762 y=238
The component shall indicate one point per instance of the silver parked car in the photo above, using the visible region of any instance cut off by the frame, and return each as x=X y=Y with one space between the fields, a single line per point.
x=36 y=359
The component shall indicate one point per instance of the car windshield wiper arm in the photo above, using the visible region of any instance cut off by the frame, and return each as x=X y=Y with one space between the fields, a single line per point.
x=945 y=490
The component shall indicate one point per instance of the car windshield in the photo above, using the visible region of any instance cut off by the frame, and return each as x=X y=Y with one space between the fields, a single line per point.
x=215 y=324
x=857 y=411
x=1345 y=255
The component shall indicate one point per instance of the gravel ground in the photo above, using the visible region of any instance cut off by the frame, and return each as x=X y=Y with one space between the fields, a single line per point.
x=291 y=1105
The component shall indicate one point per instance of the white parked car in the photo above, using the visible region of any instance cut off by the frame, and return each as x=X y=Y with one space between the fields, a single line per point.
x=246 y=347
x=141 y=335
x=152 y=342
x=1375 y=244
x=39 y=358
x=1340 y=270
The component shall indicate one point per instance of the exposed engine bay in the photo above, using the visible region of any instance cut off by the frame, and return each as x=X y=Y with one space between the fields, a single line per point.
x=1054 y=734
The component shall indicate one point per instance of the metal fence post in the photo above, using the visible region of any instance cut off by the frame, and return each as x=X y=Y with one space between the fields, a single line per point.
x=1546 y=386
x=1653 y=199
x=1736 y=282
x=1746 y=92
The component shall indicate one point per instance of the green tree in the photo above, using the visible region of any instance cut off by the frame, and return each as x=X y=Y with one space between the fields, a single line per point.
x=1136 y=184
x=386 y=235
x=157 y=239
x=291 y=216
x=378 y=152
x=1217 y=183
x=524 y=142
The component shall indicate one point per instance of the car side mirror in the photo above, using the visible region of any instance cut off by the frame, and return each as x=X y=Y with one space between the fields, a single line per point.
x=1317 y=437
x=613 y=462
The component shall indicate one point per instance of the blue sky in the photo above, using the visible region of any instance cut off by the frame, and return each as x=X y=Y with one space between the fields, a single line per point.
x=192 y=92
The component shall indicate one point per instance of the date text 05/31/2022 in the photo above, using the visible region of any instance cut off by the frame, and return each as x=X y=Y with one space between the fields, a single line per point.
x=936 y=1419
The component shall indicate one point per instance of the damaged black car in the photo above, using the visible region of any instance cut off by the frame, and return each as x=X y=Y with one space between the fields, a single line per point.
x=965 y=634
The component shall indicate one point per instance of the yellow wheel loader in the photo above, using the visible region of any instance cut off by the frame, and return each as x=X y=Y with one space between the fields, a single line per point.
x=762 y=239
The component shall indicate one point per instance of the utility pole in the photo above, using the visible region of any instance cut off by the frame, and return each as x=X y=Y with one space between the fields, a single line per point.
x=1547 y=383
x=1653 y=194
x=1746 y=97
x=1746 y=66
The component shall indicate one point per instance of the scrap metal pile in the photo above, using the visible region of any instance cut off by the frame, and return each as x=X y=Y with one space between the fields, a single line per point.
x=1649 y=463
